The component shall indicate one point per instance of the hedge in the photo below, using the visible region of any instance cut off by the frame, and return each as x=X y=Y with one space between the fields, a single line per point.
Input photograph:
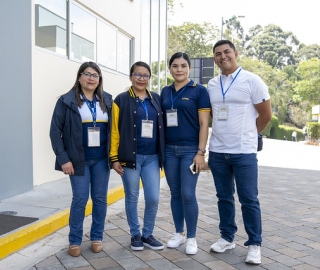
x=275 y=131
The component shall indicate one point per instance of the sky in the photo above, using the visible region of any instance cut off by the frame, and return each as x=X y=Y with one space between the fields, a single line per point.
x=302 y=17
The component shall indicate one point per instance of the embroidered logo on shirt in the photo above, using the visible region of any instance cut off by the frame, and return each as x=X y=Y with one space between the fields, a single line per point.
x=185 y=98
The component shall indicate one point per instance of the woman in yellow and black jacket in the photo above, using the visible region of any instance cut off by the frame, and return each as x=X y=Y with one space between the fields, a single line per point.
x=124 y=131
x=137 y=151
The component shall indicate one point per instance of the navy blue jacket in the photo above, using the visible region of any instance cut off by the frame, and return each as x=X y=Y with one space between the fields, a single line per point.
x=66 y=132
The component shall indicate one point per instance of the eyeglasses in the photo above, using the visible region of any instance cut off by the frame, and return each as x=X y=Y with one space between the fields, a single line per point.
x=88 y=75
x=139 y=76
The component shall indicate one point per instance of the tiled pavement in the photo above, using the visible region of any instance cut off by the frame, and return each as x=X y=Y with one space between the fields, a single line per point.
x=289 y=195
x=290 y=203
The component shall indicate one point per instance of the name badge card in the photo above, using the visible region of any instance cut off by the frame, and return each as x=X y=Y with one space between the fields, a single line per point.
x=93 y=136
x=223 y=113
x=147 y=129
x=172 y=118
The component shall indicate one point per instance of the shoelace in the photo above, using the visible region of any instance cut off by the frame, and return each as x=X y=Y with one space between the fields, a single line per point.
x=176 y=237
x=151 y=238
x=191 y=242
x=255 y=248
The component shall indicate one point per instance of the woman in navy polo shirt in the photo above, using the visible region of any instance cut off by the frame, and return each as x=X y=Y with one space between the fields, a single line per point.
x=80 y=138
x=186 y=107
x=137 y=150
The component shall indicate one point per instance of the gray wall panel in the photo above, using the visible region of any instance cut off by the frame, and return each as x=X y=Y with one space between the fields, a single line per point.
x=16 y=173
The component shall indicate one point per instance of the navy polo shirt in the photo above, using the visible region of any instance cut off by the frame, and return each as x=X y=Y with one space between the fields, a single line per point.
x=188 y=101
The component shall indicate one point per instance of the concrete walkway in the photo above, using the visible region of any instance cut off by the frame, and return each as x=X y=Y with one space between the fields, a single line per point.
x=289 y=195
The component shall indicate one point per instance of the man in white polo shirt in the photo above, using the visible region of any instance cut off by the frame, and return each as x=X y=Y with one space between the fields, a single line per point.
x=240 y=109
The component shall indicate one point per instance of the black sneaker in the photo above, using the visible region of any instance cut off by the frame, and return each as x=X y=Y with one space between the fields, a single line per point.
x=152 y=243
x=136 y=243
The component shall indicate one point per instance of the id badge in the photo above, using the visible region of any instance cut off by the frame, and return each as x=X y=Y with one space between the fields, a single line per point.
x=172 y=118
x=147 y=129
x=223 y=113
x=93 y=136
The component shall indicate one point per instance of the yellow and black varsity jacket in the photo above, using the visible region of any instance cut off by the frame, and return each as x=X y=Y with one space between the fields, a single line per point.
x=124 y=128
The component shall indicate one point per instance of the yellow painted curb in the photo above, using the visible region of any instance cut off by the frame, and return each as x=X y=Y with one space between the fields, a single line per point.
x=32 y=233
x=161 y=173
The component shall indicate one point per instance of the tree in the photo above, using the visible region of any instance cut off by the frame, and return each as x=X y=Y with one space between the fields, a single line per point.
x=307 y=52
x=272 y=45
x=307 y=87
x=171 y=4
x=262 y=68
x=299 y=113
x=192 y=38
x=234 y=32
x=234 y=26
x=156 y=74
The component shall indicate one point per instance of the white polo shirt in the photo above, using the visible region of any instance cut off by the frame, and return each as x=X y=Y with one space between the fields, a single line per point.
x=238 y=133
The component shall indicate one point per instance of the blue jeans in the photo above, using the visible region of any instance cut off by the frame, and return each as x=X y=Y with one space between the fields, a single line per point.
x=97 y=174
x=242 y=170
x=147 y=167
x=182 y=184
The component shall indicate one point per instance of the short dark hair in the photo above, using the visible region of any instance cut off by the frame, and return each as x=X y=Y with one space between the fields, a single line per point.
x=139 y=64
x=222 y=42
x=179 y=55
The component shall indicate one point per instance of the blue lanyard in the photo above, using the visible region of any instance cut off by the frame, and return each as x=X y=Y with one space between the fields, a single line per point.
x=224 y=93
x=144 y=105
x=92 y=110
x=177 y=95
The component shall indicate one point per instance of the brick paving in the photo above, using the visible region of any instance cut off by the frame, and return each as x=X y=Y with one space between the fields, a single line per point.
x=290 y=203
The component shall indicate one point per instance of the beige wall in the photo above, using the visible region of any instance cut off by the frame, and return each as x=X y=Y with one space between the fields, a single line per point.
x=53 y=75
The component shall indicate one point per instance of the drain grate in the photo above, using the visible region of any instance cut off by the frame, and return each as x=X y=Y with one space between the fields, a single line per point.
x=8 y=213
x=11 y=222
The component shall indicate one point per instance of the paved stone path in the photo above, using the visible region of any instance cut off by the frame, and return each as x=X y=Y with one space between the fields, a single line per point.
x=290 y=202
x=289 y=183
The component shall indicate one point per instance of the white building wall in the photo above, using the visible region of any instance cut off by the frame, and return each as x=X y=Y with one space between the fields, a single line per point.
x=34 y=78
x=54 y=75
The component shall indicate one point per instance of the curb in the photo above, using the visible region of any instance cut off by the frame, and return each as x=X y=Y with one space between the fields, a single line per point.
x=32 y=233
x=27 y=235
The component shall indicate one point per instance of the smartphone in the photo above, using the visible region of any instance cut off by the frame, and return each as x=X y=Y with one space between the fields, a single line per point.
x=193 y=168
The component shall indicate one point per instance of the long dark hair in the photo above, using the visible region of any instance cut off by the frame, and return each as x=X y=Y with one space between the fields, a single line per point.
x=98 y=91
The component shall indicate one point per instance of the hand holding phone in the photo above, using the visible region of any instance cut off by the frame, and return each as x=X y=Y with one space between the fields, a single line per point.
x=193 y=168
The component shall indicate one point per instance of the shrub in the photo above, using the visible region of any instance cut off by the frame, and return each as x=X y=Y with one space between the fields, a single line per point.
x=313 y=131
x=270 y=128
x=276 y=131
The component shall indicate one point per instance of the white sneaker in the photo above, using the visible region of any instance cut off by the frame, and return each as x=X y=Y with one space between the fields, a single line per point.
x=222 y=245
x=191 y=247
x=176 y=240
x=254 y=255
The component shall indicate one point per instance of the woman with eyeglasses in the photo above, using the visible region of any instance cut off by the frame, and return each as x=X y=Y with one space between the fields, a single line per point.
x=80 y=137
x=137 y=151
x=186 y=105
